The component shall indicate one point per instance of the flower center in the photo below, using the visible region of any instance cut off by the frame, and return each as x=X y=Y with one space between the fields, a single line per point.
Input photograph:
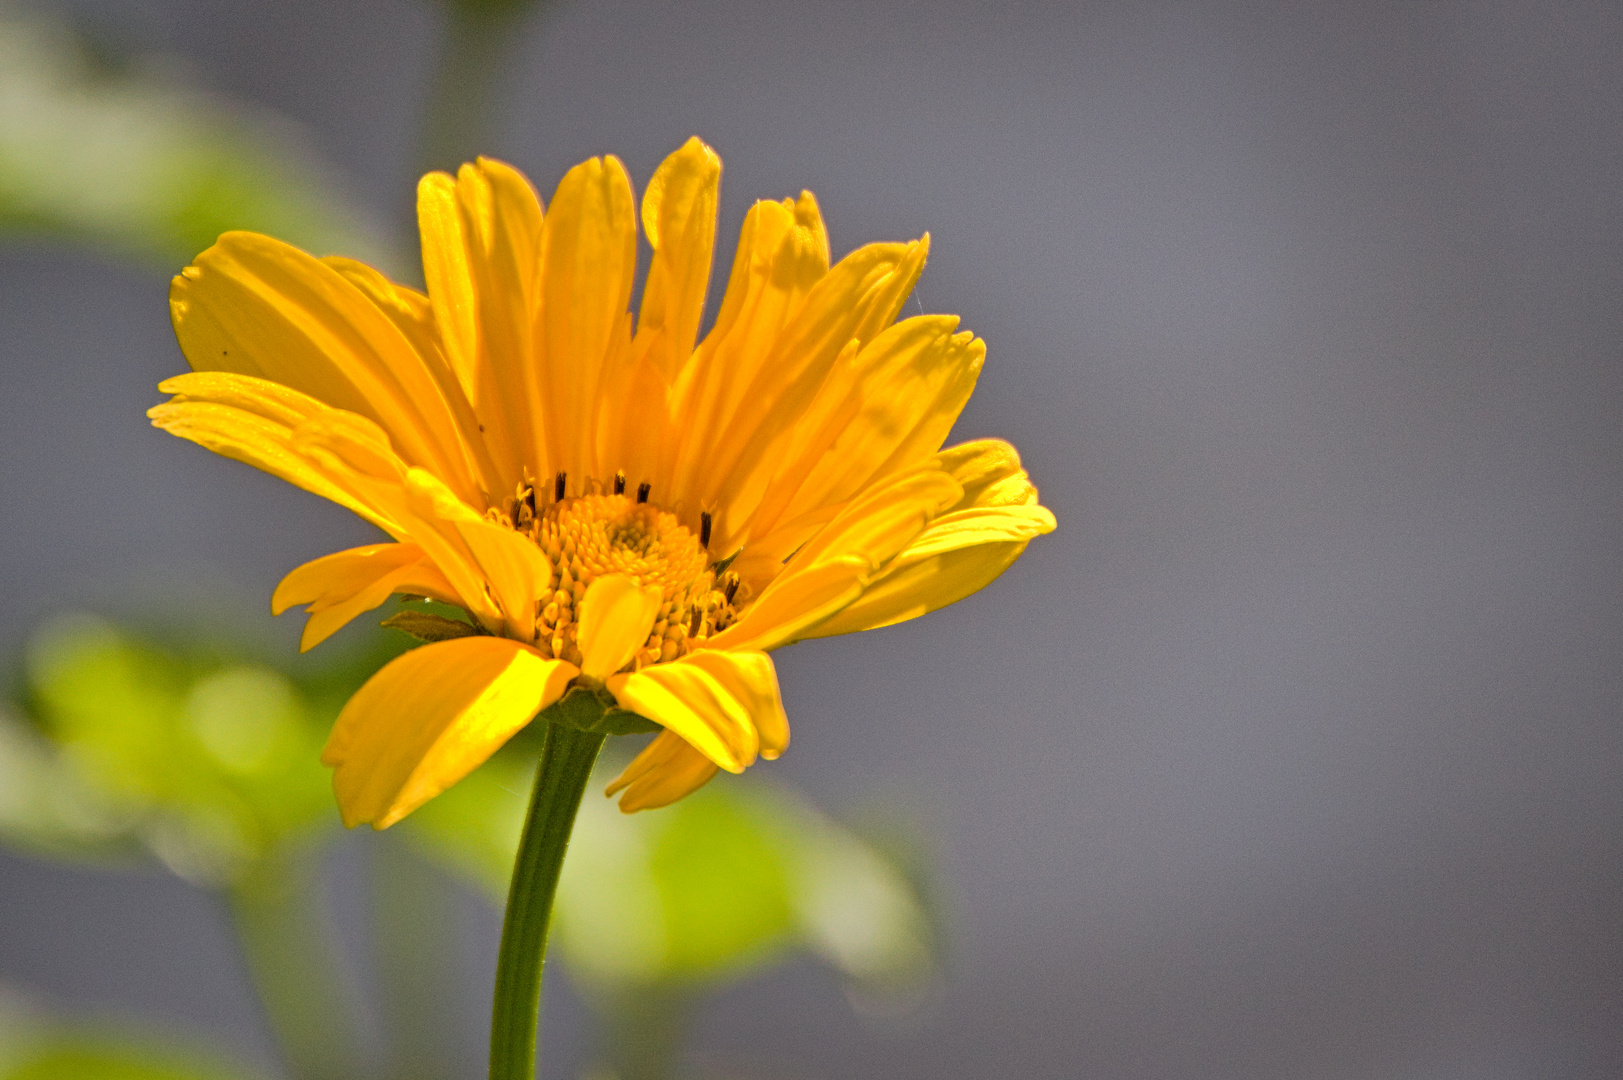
x=588 y=536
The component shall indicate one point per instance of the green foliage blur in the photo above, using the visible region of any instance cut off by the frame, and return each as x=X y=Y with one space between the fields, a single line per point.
x=34 y=1047
x=98 y=1057
x=206 y=760
x=121 y=743
x=708 y=890
x=105 y=150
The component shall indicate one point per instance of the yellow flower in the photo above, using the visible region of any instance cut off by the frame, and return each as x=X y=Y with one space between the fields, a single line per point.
x=616 y=504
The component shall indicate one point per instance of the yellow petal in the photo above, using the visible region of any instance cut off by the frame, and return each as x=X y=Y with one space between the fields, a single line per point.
x=959 y=554
x=340 y=586
x=782 y=254
x=346 y=458
x=980 y=525
x=481 y=240
x=668 y=769
x=588 y=262
x=515 y=570
x=885 y=407
x=855 y=300
x=430 y=717
x=634 y=429
x=719 y=701
x=989 y=471
x=750 y=678
x=255 y=421
x=413 y=314
x=336 y=577
x=882 y=521
x=831 y=569
x=426 y=510
x=451 y=289
x=679 y=219
x=616 y=616
x=408 y=309
x=794 y=603
x=259 y=307
x=962 y=550
x=496 y=580
x=324 y=622
x=419 y=506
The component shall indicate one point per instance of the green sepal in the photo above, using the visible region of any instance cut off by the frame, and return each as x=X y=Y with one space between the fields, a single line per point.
x=426 y=626
x=586 y=709
x=626 y=722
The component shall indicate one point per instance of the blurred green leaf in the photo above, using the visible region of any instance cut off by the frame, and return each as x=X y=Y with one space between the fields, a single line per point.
x=472 y=828
x=34 y=1046
x=88 y=1057
x=123 y=158
x=711 y=888
x=210 y=761
x=722 y=865
x=45 y=806
x=207 y=760
x=861 y=911
x=91 y=1062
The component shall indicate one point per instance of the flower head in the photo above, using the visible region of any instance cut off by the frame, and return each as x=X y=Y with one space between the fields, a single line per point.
x=617 y=504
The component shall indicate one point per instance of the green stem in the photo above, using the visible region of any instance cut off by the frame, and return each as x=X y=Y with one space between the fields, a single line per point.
x=560 y=781
x=290 y=958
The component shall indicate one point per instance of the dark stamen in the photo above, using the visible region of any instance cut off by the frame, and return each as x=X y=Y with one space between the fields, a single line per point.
x=529 y=498
x=693 y=623
x=732 y=587
x=704 y=529
x=619 y=483
x=642 y=491
x=559 y=486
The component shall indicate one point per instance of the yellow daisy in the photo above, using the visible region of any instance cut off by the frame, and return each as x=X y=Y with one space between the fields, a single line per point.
x=617 y=505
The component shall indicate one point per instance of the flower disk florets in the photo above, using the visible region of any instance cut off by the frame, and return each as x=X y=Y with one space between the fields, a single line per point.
x=588 y=536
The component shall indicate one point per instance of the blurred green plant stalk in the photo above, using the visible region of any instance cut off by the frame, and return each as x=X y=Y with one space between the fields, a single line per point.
x=459 y=117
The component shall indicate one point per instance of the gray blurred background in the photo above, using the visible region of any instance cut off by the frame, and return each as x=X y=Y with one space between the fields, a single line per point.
x=1294 y=753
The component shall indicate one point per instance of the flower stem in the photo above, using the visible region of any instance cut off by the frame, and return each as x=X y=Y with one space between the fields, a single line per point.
x=566 y=762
